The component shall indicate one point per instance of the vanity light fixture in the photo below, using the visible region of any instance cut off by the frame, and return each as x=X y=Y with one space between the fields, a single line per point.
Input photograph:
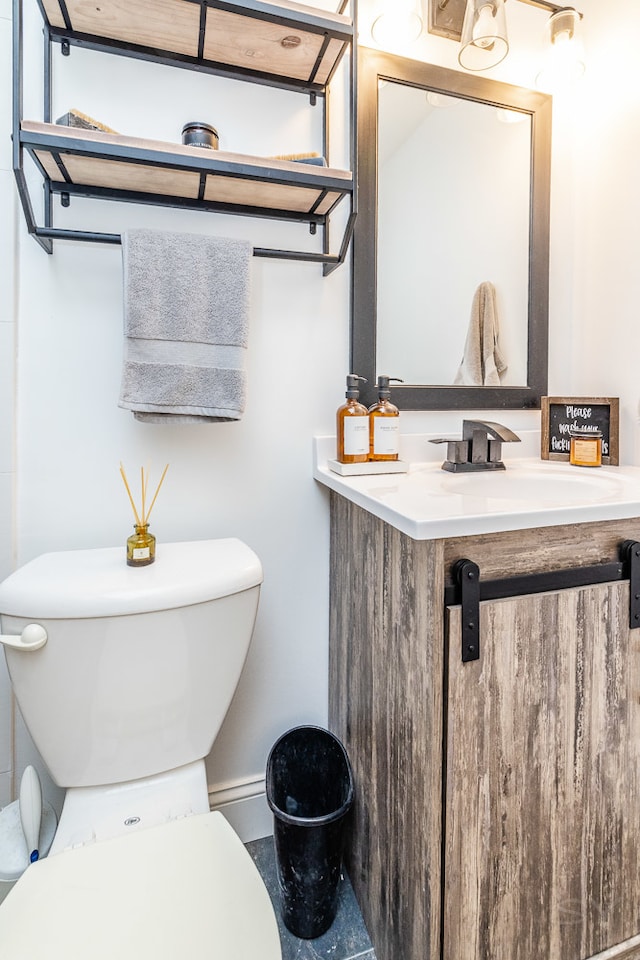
x=481 y=28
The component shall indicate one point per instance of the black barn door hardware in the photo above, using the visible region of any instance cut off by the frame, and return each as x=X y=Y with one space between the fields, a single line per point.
x=468 y=590
x=467 y=574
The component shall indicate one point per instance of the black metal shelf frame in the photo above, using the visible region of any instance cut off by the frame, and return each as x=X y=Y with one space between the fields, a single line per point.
x=46 y=233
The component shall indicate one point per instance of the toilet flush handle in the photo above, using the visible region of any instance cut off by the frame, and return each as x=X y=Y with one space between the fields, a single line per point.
x=32 y=638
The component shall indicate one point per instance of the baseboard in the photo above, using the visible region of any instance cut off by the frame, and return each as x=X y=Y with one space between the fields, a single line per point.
x=244 y=804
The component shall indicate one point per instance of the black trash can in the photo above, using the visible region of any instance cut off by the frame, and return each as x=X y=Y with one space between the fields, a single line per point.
x=310 y=791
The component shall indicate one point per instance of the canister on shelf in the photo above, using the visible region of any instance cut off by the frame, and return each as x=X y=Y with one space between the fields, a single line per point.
x=197 y=134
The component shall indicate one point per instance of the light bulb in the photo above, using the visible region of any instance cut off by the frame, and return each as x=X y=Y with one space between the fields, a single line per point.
x=443 y=100
x=484 y=30
x=564 y=62
x=400 y=26
x=505 y=115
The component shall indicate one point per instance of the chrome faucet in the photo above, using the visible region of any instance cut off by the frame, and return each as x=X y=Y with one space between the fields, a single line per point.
x=480 y=447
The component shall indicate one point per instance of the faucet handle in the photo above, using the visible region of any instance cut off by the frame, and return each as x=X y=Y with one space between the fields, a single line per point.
x=457 y=450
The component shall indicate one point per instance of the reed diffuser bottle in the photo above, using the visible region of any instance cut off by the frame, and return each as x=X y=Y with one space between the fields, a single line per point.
x=141 y=545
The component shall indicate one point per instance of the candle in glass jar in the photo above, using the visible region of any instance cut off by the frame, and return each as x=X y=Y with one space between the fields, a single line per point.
x=586 y=447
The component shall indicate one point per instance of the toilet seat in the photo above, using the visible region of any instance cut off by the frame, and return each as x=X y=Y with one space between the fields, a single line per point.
x=186 y=888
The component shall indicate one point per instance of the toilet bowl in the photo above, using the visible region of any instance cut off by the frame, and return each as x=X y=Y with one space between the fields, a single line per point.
x=124 y=698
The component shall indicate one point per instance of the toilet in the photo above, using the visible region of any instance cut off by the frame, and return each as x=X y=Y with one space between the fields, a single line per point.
x=123 y=683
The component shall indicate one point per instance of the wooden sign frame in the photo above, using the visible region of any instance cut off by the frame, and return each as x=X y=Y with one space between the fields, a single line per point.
x=579 y=411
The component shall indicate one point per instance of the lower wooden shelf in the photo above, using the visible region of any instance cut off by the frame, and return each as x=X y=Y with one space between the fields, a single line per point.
x=84 y=162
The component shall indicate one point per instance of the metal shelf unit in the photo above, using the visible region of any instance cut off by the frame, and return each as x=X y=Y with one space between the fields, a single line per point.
x=298 y=49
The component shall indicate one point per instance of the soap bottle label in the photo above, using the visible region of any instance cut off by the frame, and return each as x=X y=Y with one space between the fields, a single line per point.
x=356 y=436
x=386 y=436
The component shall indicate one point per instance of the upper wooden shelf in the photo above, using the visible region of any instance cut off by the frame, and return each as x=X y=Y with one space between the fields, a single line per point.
x=283 y=43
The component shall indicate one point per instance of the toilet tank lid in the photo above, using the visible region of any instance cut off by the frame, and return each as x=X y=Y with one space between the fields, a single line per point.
x=98 y=583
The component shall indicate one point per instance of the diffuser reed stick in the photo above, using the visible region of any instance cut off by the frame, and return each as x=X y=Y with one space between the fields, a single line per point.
x=141 y=546
x=143 y=488
x=142 y=518
x=128 y=489
x=164 y=473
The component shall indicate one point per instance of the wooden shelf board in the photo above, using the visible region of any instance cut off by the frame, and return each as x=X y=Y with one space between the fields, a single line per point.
x=232 y=38
x=131 y=164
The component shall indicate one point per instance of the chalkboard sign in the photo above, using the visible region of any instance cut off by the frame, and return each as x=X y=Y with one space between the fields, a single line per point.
x=562 y=414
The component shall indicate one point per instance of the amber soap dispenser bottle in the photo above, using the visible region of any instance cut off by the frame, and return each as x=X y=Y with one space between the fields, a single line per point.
x=352 y=425
x=384 y=424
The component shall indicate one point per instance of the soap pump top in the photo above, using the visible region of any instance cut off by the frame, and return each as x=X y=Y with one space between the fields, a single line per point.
x=384 y=391
x=353 y=389
x=384 y=433
x=352 y=425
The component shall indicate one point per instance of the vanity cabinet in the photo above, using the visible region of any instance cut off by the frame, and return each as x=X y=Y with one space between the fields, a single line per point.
x=497 y=811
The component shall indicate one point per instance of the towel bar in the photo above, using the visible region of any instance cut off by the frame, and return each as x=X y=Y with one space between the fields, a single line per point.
x=330 y=261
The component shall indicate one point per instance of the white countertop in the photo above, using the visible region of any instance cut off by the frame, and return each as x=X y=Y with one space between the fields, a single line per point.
x=429 y=503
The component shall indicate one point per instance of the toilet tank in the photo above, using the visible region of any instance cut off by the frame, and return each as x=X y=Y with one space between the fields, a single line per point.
x=140 y=664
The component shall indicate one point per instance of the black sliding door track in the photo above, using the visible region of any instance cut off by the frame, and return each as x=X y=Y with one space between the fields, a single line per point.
x=469 y=590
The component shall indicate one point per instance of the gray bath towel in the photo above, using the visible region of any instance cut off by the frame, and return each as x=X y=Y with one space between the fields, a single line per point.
x=186 y=319
x=482 y=362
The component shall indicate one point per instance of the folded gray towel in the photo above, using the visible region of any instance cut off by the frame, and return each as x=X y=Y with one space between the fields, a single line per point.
x=186 y=321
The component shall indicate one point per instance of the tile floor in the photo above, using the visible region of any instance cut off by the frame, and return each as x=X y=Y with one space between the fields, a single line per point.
x=347 y=938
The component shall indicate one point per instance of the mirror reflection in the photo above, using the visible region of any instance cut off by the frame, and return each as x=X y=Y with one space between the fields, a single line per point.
x=453 y=179
x=451 y=244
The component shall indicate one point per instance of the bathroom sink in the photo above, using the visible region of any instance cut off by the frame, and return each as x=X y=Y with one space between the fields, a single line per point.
x=427 y=502
x=428 y=493
x=532 y=482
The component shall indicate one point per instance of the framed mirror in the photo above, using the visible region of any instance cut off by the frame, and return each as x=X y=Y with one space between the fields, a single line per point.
x=451 y=243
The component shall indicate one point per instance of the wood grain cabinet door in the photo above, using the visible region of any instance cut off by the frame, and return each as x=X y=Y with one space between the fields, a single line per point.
x=542 y=819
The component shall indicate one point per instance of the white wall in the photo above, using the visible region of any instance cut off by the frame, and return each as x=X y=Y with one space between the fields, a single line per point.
x=253 y=479
x=7 y=351
x=606 y=327
x=250 y=479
